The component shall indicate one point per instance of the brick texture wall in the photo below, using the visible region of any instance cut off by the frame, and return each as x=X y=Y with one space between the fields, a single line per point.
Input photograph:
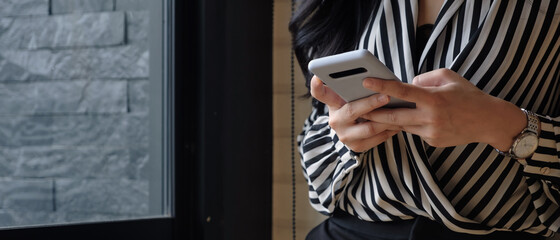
x=73 y=110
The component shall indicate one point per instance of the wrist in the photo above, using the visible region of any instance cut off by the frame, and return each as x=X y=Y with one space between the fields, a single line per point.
x=508 y=122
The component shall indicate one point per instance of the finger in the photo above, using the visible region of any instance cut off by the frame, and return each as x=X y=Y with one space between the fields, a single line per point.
x=324 y=94
x=436 y=78
x=398 y=89
x=364 y=130
x=366 y=144
x=429 y=136
x=396 y=116
x=353 y=110
x=415 y=129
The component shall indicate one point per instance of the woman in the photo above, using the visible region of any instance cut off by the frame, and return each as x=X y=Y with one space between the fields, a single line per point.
x=466 y=163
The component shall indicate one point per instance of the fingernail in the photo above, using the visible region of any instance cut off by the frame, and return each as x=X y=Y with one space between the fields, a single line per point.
x=367 y=82
x=382 y=98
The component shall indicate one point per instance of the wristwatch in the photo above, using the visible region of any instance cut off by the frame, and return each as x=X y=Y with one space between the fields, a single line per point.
x=526 y=143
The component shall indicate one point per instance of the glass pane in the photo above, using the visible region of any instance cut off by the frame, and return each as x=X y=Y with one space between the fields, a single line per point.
x=79 y=141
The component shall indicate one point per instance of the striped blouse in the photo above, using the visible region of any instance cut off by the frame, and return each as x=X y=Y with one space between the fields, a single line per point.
x=509 y=49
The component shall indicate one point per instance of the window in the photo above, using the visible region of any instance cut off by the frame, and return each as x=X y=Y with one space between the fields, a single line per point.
x=221 y=177
x=83 y=124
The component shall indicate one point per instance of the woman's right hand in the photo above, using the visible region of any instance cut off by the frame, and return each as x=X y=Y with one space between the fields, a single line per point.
x=356 y=133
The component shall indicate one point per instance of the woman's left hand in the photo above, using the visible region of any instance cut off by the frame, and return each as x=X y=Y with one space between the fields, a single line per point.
x=449 y=111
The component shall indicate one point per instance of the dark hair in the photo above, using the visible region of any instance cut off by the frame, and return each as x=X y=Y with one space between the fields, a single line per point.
x=326 y=27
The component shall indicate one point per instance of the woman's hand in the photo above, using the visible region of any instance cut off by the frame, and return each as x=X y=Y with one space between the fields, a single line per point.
x=449 y=111
x=344 y=118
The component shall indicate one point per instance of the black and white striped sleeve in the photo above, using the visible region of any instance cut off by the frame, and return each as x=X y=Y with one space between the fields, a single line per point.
x=542 y=171
x=544 y=165
x=327 y=163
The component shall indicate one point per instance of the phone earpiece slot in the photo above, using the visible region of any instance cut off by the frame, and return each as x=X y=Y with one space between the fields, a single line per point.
x=347 y=73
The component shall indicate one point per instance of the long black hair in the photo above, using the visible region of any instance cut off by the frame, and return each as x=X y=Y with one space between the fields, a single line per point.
x=326 y=27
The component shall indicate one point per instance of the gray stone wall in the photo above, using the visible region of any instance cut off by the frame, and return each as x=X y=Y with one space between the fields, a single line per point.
x=73 y=110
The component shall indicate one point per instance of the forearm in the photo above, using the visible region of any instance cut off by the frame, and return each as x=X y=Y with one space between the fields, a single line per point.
x=501 y=122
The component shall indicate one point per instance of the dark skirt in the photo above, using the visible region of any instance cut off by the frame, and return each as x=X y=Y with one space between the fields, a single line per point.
x=343 y=226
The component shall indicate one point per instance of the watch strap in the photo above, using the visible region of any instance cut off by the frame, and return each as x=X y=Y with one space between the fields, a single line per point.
x=533 y=122
x=505 y=154
x=533 y=125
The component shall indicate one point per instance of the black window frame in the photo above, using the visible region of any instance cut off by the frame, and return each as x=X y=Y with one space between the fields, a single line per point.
x=221 y=93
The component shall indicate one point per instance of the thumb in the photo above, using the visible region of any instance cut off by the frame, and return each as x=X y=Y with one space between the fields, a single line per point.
x=324 y=94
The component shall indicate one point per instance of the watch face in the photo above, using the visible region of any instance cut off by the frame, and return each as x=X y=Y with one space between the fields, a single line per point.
x=526 y=145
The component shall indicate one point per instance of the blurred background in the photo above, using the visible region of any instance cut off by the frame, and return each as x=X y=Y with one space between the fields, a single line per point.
x=76 y=115
x=306 y=216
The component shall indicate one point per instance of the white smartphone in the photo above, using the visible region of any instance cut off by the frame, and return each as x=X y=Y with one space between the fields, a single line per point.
x=345 y=72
